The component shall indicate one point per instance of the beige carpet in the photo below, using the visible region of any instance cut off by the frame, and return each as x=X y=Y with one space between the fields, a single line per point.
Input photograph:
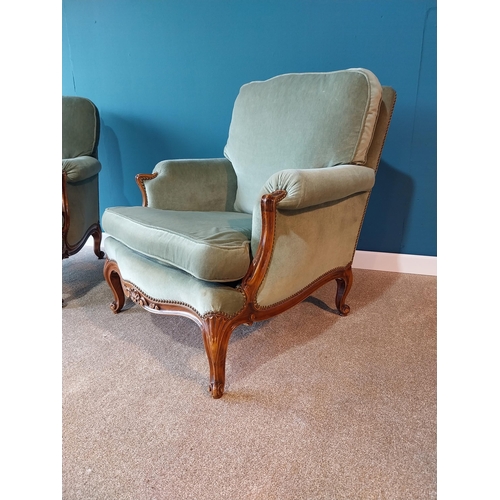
x=317 y=406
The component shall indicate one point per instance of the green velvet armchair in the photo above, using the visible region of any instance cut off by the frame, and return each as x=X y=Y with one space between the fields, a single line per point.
x=233 y=240
x=80 y=171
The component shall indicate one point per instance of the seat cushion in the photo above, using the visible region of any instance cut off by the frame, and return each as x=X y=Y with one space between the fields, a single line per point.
x=211 y=246
x=300 y=121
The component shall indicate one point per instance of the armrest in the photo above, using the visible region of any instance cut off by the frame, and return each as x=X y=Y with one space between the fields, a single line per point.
x=196 y=185
x=309 y=187
x=296 y=248
x=81 y=168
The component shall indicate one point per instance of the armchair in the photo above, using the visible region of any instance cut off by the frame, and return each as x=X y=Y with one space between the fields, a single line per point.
x=80 y=170
x=233 y=240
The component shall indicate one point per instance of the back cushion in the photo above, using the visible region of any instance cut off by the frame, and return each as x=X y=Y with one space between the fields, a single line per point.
x=80 y=127
x=298 y=121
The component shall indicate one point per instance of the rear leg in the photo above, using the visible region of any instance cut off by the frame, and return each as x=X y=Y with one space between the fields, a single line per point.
x=343 y=286
x=97 y=235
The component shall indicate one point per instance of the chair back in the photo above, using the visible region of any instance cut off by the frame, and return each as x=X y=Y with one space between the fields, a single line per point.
x=300 y=121
x=80 y=127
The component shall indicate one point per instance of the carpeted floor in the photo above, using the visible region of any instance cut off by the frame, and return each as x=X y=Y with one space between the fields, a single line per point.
x=316 y=406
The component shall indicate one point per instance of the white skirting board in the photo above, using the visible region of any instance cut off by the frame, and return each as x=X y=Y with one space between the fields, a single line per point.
x=395 y=262
x=380 y=261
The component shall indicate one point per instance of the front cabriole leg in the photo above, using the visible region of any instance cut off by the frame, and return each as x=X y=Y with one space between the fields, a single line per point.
x=113 y=279
x=343 y=286
x=216 y=330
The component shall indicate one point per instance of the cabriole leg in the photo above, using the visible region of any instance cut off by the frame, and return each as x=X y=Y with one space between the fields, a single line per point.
x=97 y=235
x=216 y=330
x=112 y=277
x=343 y=287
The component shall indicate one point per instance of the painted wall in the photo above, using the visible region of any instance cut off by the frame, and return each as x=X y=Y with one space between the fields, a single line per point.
x=164 y=75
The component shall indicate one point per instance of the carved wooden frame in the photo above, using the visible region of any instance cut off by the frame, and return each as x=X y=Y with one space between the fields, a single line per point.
x=94 y=230
x=217 y=328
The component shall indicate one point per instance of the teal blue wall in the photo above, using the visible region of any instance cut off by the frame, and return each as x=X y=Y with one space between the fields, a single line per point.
x=164 y=75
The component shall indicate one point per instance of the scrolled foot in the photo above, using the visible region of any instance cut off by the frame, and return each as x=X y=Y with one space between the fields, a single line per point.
x=217 y=389
x=344 y=310
x=115 y=307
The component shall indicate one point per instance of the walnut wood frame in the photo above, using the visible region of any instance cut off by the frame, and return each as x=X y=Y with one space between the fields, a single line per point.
x=94 y=230
x=217 y=328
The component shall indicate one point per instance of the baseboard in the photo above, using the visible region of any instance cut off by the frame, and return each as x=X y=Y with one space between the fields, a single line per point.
x=380 y=261
x=395 y=262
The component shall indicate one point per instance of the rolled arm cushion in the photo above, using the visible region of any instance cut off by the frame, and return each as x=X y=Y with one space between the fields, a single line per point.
x=312 y=188
x=306 y=188
x=81 y=168
x=195 y=185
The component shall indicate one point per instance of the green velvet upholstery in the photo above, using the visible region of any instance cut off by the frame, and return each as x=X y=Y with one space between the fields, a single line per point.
x=234 y=240
x=212 y=246
x=206 y=184
x=316 y=136
x=81 y=166
x=168 y=284
x=308 y=243
x=309 y=189
x=80 y=127
x=300 y=121
x=306 y=188
x=83 y=207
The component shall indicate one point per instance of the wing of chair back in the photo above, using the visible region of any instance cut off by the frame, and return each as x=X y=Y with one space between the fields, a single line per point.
x=265 y=226
x=80 y=171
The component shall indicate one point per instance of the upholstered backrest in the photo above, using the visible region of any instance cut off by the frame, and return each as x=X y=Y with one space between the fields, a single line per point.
x=297 y=121
x=80 y=127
